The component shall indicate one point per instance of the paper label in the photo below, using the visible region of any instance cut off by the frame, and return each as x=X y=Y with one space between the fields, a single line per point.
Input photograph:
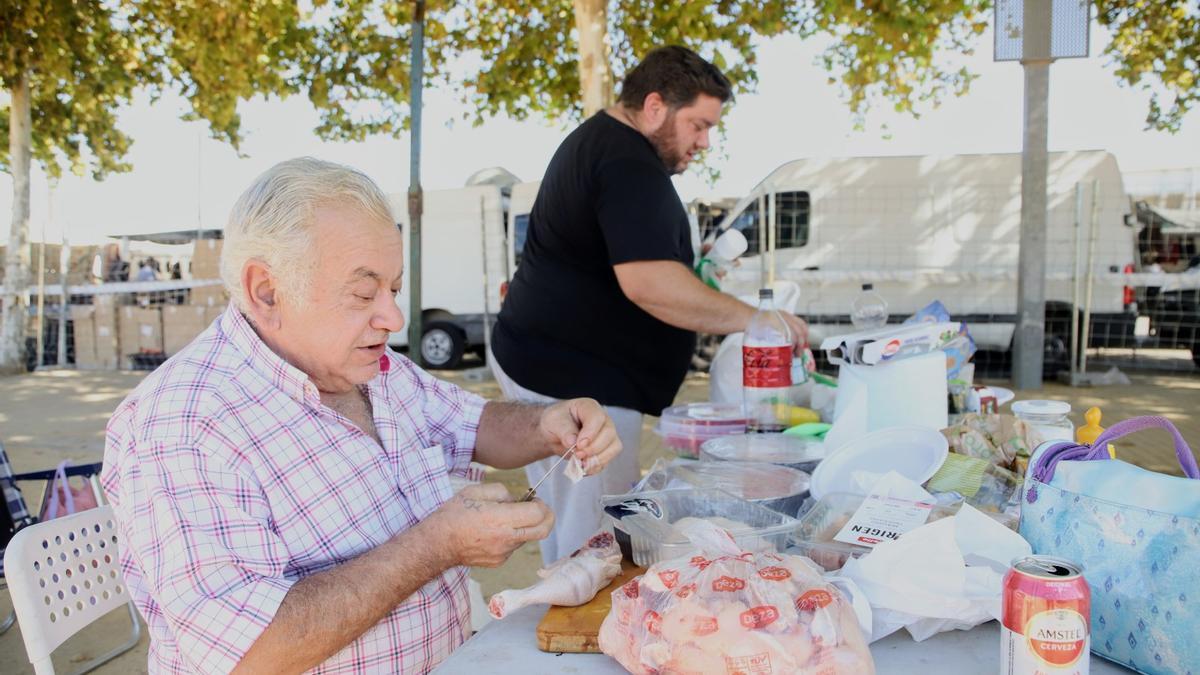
x=882 y=519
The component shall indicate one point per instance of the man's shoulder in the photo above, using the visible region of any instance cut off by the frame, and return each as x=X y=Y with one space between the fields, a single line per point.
x=197 y=383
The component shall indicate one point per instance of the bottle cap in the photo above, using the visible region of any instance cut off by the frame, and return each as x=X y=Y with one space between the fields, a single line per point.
x=765 y=294
x=868 y=287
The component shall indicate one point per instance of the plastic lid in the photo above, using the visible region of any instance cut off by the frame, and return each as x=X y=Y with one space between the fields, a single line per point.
x=703 y=414
x=914 y=452
x=868 y=287
x=751 y=481
x=767 y=448
x=764 y=293
x=1056 y=408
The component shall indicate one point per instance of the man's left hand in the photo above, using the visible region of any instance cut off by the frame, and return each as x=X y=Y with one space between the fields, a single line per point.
x=581 y=422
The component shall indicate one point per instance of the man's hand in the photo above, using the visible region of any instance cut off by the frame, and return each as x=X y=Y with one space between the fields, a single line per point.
x=482 y=525
x=799 y=328
x=581 y=422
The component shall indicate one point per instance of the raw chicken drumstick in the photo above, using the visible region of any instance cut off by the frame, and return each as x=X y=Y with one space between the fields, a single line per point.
x=569 y=582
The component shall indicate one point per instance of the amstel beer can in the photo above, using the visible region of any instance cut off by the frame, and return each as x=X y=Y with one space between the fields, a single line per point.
x=1046 y=616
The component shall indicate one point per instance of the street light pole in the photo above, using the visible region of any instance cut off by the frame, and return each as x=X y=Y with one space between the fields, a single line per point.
x=1029 y=337
x=415 y=195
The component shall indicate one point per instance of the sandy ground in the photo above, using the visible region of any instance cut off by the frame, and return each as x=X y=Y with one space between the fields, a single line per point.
x=49 y=416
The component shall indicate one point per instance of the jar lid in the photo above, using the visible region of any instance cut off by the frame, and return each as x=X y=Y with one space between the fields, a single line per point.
x=1041 y=408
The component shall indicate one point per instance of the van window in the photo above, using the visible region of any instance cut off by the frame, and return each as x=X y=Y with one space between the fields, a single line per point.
x=791 y=223
x=521 y=229
x=791 y=219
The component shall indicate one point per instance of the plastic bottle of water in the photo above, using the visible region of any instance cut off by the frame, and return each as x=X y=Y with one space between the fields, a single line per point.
x=869 y=310
x=766 y=366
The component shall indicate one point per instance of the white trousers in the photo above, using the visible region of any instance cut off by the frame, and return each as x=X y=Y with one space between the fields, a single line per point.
x=576 y=506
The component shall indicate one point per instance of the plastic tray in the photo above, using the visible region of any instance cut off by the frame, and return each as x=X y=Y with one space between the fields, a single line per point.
x=814 y=537
x=797 y=452
x=642 y=522
x=684 y=428
x=776 y=487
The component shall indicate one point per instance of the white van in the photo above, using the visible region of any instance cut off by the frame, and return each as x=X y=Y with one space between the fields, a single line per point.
x=464 y=262
x=934 y=228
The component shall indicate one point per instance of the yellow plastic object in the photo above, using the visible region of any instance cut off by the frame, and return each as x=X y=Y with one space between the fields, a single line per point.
x=1088 y=433
x=792 y=415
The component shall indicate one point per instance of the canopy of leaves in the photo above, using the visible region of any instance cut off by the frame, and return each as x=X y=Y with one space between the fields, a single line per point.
x=86 y=58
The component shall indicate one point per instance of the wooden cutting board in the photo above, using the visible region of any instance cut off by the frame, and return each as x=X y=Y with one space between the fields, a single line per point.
x=576 y=630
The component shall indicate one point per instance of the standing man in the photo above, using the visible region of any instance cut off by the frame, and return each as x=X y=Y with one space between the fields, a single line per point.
x=605 y=303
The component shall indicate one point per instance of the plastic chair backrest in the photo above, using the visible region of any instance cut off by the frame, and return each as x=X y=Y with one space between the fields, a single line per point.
x=63 y=574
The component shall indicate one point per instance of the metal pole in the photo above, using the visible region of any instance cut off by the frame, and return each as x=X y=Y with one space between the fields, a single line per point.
x=1091 y=273
x=62 y=299
x=771 y=227
x=1075 y=281
x=764 y=279
x=415 y=195
x=1029 y=336
x=487 y=309
x=41 y=305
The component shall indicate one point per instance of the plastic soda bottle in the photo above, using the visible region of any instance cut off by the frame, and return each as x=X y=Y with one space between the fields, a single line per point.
x=766 y=366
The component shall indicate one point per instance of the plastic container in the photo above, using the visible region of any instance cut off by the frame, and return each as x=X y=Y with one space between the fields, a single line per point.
x=1049 y=418
x=643 y=522
x=814 y=537
x=766 y=365
x=778 y=488
x=869 y=310
x=684 y=428
x=797 y=452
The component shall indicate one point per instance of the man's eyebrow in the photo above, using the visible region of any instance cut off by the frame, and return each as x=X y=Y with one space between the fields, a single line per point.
x=361 y=273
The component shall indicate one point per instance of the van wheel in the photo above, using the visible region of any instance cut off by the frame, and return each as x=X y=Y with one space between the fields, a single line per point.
x=442 y=345
x=1196 y=355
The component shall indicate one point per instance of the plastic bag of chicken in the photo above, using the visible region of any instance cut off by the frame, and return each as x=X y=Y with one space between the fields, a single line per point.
x=725 y=610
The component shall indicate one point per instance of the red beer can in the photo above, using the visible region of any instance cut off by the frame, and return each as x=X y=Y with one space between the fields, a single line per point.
x=1046 y=617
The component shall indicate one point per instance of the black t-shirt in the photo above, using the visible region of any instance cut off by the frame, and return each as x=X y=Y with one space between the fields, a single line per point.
x=566 y=329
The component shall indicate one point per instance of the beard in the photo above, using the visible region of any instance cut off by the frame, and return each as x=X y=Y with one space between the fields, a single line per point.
x=666 y=144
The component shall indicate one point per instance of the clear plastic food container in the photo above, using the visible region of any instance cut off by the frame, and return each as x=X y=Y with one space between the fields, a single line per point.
x=644 y=522
x=796 y=452
x=684 y=428
x=814 y=537
x=779 y=488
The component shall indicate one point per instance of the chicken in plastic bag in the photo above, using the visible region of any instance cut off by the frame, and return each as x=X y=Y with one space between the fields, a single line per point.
x=726 y=610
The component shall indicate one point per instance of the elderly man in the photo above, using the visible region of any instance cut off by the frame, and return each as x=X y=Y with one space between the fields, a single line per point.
x=282 y=485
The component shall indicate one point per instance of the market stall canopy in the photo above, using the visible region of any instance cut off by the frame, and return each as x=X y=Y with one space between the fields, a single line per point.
x=1171 y=221
x=176 y=237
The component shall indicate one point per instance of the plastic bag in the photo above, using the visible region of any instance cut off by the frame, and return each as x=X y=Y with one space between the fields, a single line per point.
x=63 y=499
x=726 y=610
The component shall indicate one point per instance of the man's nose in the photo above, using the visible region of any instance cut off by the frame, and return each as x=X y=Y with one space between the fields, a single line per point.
x=703 y=144
x=389 y=318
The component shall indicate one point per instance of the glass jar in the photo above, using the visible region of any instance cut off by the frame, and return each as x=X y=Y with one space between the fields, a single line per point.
x=1049 y=418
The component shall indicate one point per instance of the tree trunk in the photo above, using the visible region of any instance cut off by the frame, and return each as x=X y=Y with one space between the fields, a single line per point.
x=595 y=69
x=16 y=259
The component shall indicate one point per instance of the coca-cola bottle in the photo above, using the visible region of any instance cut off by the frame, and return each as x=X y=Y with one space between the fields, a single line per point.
x=766 y=366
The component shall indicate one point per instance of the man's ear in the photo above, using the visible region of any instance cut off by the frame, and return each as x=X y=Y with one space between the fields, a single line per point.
x=260 y=290
x=654 y=111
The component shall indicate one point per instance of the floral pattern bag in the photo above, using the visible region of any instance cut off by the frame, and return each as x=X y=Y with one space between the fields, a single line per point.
x=1137 y=535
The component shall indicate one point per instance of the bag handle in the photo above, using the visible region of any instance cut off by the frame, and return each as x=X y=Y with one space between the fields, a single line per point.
x=1043 y=470
x=60 y=484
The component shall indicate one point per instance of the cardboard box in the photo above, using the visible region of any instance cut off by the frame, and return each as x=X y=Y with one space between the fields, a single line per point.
x=108 y=353
x=206 y=259
x=210 y=296
x=212 y=314
x=84 y=332
x=181 y=325
x=140 y=330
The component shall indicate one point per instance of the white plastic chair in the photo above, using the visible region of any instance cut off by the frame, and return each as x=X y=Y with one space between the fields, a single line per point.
x=63 y=574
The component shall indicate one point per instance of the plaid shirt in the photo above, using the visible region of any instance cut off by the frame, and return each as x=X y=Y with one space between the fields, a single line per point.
x=231 y=481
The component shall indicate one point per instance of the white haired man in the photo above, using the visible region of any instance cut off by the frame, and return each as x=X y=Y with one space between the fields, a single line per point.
x=282 y=485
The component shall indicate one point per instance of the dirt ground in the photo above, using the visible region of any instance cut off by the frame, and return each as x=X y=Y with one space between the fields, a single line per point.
x=49 y=416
